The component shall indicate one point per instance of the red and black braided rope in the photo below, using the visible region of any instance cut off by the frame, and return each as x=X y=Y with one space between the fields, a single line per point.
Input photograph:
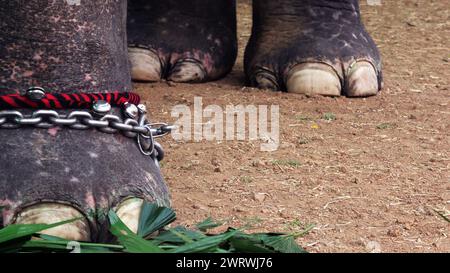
x=67 y=101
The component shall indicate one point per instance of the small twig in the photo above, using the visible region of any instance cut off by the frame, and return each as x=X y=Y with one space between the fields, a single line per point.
x=336 y=200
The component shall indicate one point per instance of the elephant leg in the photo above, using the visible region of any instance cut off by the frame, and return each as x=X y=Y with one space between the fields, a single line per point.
x=312 y=47
x=181 y=41
x=49 y=175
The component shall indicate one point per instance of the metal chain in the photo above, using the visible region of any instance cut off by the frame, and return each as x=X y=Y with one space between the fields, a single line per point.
x=82 y=120
x=144 y=131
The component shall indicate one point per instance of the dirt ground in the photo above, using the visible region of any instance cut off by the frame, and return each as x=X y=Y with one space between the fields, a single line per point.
x=368 y=173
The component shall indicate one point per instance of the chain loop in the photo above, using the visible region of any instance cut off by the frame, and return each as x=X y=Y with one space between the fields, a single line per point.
x=10 y=119
x=44 y=116
x=79 y=116
x=150 y=147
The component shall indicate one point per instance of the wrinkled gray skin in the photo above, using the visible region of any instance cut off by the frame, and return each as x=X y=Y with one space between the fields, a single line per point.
x=65 y=47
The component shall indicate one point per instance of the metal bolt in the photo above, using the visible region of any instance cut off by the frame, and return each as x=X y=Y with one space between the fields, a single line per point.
x=35 y=93
x=142 y=108
x=101 y=107
x=130 y=110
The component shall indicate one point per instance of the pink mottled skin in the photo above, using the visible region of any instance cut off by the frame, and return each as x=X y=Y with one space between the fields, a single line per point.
x=53 y=131
x=90 y=200
x=206 y=59
x=8 y=209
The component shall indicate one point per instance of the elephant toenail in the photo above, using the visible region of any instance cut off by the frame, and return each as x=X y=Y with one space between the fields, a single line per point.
x=265 y=79
x=362 y=80
x=313 y=79
x=145 y=65
x=129 y=212
x=187 y=70
x=50 y=213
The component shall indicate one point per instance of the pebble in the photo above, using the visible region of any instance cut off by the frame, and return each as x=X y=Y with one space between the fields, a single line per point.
x=171 y=84
x=373 y=247
x=257 y=163
x=215 y=162
x=258 y=196
x=239 y=209
x=200 y=207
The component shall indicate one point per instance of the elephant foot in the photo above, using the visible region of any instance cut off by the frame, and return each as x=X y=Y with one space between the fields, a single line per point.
x=55 y=174
x=312 y=47
x=181 y=41
x=59 y=174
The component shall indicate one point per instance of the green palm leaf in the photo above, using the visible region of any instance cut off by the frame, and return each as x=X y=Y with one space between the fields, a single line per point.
x=244 y=243
x=207 y=244
x=282 y=244
x=208 y=223
x=16 y=231
x=128 y=239
x=154 y=218
x=169 y=236
x=16 y=238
